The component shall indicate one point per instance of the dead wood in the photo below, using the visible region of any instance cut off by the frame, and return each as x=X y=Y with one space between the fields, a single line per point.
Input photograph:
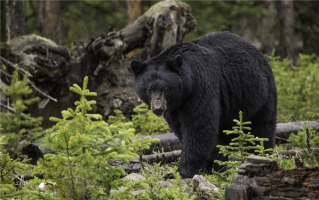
x=169 y=142
x=283 y=130
x=162 y=158
x=53 y=68
x=134 y=164
x=260 y=178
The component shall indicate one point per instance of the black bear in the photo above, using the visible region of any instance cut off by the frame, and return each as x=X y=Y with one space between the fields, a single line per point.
x=200 y=87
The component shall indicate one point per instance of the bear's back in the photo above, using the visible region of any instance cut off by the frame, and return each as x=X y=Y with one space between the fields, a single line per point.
x=222 y=39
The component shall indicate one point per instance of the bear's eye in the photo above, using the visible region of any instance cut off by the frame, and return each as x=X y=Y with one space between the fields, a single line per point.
x=149 y=90
x=166 y=91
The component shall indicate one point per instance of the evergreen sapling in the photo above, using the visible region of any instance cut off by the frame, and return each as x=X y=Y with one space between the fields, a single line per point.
x=236 y=152
x=18 y=126
x=80 y=168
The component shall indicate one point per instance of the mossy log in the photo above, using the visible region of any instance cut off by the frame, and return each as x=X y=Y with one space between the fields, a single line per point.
x=53 y=68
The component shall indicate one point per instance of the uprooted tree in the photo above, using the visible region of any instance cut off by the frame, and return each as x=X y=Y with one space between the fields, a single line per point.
x=54 y=68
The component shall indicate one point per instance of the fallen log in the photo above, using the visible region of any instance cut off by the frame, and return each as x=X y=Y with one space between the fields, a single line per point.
x=169 y=142
x=134 y=164
x=260 y=178
x=283 y=130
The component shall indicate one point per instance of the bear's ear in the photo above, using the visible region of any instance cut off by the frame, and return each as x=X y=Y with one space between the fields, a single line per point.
x=177 y=63
x=136 y=66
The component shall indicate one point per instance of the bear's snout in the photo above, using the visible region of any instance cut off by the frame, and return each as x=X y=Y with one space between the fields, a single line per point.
x=158 y=107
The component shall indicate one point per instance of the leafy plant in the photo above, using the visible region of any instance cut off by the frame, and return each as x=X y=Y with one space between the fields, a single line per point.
x=147 y=123
x=297 y=87
x=283 y=161
x=9 y=189
x=16 y=125
x=178 y=190
x=3 y=140
x=34 y=183
x=307 y=140
x=154 y=175
x=80 y=168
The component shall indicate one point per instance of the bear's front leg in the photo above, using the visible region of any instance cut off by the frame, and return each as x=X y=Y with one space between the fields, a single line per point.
x=197 y=149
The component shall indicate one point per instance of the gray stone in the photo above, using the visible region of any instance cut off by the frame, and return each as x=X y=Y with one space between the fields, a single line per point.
x=204 y=188
x=164 y=184
x=135 y=177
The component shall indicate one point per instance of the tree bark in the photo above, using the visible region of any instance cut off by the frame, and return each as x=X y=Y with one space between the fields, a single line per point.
x=14 y=18
x=260 y=178
x=286 y=17
x=49 y=19
x=134 y=10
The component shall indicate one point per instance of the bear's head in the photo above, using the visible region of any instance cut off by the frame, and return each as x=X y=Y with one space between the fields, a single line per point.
x=159 y=82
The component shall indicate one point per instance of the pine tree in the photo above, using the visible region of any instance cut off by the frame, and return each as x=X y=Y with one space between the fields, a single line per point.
x=18 y=126
x=80 y=168
x=236 y=152
x=241 y=146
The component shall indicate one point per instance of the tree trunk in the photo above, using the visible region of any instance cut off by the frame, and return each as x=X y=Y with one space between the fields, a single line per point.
x=285 y=10
x=49 y=20
x=134 y=10
x=14 y=18
x=265 y=33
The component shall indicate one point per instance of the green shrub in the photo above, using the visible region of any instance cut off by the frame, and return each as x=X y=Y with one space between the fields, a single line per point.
x=307 y=140
x=9 y=189
x=147 y=123
x=154 y=175
x=297 y=87
x=16 y=125
x=80 y=168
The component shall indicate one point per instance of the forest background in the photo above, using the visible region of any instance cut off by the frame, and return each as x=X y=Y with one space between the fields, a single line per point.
x=290 y=27
x=283 y=29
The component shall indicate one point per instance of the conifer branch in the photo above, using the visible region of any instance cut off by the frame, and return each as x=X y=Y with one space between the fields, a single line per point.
x=5 y=73
x=31 y=83
x=9 y=108
x=44 y=94
x=21 y=70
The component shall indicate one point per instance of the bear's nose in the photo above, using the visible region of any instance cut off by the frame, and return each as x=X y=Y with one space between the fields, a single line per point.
x=158 y=111
x=158 y=108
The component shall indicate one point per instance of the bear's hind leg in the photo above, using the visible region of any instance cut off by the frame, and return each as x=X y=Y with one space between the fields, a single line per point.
x=263 y=125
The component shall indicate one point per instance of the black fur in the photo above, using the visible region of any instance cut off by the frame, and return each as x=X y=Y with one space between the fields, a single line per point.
x=220 y=74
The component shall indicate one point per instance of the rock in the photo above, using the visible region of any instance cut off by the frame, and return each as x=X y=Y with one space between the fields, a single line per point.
x=204 y=188
x=164 y=184
x=135 y=177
